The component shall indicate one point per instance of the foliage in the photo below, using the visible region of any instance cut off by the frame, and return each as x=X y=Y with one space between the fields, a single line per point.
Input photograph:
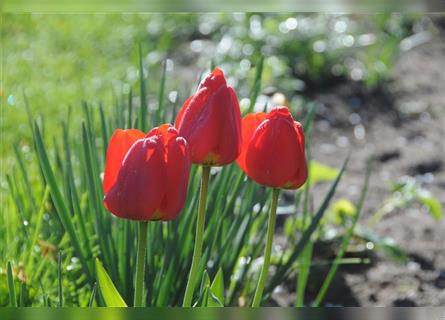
x=76 y=224
x=55 y=225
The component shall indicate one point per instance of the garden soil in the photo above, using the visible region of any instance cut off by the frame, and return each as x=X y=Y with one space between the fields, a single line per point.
x=401 y=125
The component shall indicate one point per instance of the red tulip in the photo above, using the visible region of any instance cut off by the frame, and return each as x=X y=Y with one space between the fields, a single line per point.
x=272 y=151
x=146 y=176
x=210 y=121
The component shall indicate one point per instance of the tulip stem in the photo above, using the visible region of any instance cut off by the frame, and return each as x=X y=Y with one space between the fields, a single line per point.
x=140 y=265
x=268 y=250
x=197 y=250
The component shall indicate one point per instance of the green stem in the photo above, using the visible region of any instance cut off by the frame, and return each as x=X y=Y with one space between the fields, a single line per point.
x=197 y=250
x=140 y=265
x=268 y=250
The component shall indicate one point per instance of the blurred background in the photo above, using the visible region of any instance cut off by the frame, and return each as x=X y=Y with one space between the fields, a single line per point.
x=376 y=82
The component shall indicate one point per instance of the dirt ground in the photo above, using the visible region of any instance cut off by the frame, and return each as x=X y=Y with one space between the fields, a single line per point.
x=403 y=126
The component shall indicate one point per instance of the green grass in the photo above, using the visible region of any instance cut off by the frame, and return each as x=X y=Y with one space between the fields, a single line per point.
x=59 y=60
x=79 y=229
x=69 y=83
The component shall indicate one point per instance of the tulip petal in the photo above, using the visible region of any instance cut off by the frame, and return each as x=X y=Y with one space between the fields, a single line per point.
x=300 y=176
x=229 y=147
x=249 y=124
x=166 y=132
x=273 y=153
x=178 y=169
x=119 y=144
x=210 y=121
x=181 y=112
x=201 y=125
x=141 y=182
x=214 y=80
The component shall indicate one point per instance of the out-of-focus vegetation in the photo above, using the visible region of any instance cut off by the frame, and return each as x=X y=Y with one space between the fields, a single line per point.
x=60 y=60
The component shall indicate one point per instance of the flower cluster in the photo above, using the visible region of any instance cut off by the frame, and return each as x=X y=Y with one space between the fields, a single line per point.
x=146 y=175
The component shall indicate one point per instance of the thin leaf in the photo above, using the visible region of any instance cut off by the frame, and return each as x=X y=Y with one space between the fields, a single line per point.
x=59 y=280
x=213 y=300
x=385 y=244
x=321 y=173
x=160 y=110
x=130 y=109
x=284 y=270
x=93 y=295
x=109 y=292
x=346 y=239
x=434 y=206
x=256 y=86
x=11 y=286
x=143 y=94
x=22 y=295
x=217 y=287
x=58 y=200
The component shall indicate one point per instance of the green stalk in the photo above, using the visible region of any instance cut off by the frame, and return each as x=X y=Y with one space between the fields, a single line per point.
x=11 y=286
x=268 y=249
x=344 y=244
x=140 y=264
x=197 y=250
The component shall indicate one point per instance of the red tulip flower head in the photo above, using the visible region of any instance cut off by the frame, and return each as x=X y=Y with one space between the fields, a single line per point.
x=210 y=121
x=146 y=175
x=272 y=151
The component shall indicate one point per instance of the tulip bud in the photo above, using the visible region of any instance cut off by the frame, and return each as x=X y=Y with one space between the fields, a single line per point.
x=210 y=121
x=272 y=152
x=146 y=176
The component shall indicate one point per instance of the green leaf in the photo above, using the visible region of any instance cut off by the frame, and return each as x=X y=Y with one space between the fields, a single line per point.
x=22 y=295
x=59 y=280
x=212 y=295
x=217 y=287
x=93 y=296
x=341 y=210
x=433 y=205
x=256 y=86
x=283 y=270
x=160 y=111
x=321 y=173
x=11 y=287
x=143 y=94
x=346 y=239
x=212 y=299
x=205 y=281
x=385 y=244
x=56 y=196
x=109 y=292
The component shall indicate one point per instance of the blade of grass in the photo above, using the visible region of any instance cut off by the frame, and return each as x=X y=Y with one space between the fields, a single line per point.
x=306 y=255
x=109 y=292
x=143 y=94
x=93 y=296
x=346 y=239
x=130 y=109
x=12 y=185
x=59 y=202
x=25 y=178
x=95 y=196
x=22 y=295
x=59 y=280
x=104 y=130
x=160 y=111
x=256 y=86
x=283 y=270
x=38 y=227
x=11 y=286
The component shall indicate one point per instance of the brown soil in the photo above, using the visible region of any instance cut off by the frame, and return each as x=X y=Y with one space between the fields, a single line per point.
x=404 y=129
